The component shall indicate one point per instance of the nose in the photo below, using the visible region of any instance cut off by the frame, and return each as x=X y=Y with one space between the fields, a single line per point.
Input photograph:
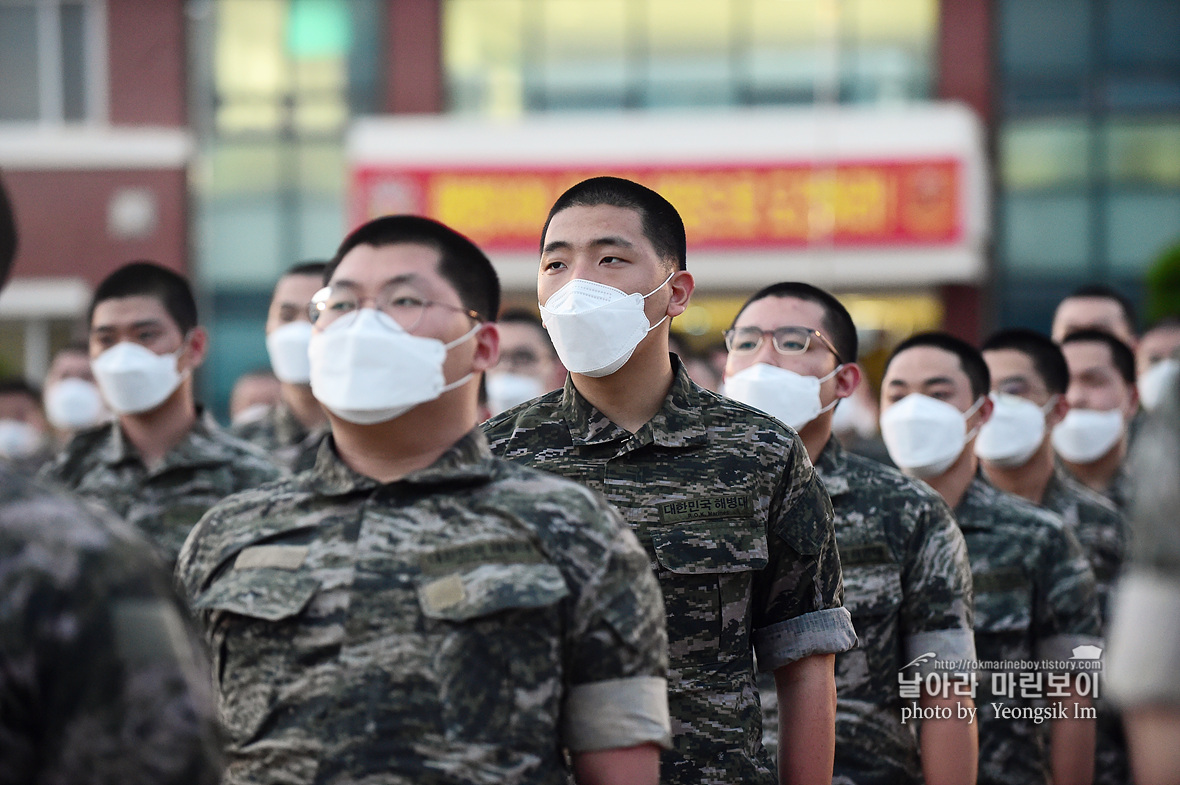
x=766 y=353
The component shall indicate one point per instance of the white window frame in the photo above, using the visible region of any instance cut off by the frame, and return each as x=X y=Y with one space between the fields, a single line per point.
x=95 y=92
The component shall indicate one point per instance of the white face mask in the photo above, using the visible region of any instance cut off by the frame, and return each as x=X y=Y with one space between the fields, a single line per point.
x=1085 y=435
x=255 y=412
x=367 y=369
x=74 y=403
x=792 y=398
x=287 y=347
x=594 y=327
x=925 y=436
x=1015 y=431
x=1156 y=381
x=135 y=379
x=506 y=390
x=18 y=439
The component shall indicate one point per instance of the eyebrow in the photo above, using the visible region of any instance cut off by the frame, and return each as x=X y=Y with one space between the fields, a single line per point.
x=397 y=279
x=601 y=242
x=938 y=380
x=142 y=323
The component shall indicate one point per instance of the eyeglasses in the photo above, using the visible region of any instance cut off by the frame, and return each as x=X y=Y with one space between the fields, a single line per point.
x=787 y=340
x=334 y=303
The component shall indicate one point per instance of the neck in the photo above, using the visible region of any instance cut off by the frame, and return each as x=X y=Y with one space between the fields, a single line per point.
x=953 y=483
x=1100 y=474
x=815 y=435
x=1028 y=481
x=303 y=405
x=154 y=433
x=388 y=451
x=632 y=395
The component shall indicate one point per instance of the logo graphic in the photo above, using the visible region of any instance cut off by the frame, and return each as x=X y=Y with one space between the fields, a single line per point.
x=1086 y=653
x=921 y=659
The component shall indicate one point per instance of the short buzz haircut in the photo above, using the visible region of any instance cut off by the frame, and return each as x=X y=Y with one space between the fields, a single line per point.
x=837 y=321
x=461 y=262
x=18 y=386
x=970 y=358
x=1120 y=354
x=662 y=225
x=310 y=268
x=1046 y=356
x=1104 y=292
x=148 y=279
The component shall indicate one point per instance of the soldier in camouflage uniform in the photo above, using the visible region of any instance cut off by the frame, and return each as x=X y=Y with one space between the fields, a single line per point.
x=414 y=610
x=163 y=462
x=1101 y=382
x=907 y=580
x=1035 y=598
x=100 y=680
x=1027 y=365
x=735 y=522
x=290 y=432
x=1143 y=671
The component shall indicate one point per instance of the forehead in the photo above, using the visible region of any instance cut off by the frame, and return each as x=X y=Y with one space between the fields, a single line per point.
x=770 y=313
x=919 y=363
x=1087 y=354
x=1090 y=310
x=1006 y=363
x=296 y=288
x=583 y=225
x=520 y=334
x=374 y=265
x=1162 y=340
x=127 y=310
x=70 y=360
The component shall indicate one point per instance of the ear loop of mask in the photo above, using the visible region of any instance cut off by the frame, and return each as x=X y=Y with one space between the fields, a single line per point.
x=835 y=400
x=653 y=291
x=448 y=346
x=967 y=416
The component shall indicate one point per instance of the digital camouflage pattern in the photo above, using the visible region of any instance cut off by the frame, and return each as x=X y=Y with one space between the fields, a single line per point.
x=280 y=435
x=101 y=680
x=1095 y=521
x=1035 y=599
x=738 y=529
x=437 y=629
x=907 y=584
x=166 y=501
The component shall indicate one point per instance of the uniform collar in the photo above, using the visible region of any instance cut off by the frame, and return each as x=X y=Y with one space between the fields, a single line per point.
x=832 y=467
x=287 y=428
x=979 y=494
x=678 y=423
x=467 y=462
x=199 y=447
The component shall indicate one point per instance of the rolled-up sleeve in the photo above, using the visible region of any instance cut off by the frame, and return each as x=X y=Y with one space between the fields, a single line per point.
x=617 y=713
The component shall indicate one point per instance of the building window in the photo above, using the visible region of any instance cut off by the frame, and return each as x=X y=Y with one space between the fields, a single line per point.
x=505 y=57
x=52 y=56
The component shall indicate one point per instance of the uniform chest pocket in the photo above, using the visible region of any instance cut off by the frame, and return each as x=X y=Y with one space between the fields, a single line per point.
x=268 y=594
x=489 y=589
x=872 y=590
x=872 y=594
x=252 y=651
x=707 y=573
x=500 y=621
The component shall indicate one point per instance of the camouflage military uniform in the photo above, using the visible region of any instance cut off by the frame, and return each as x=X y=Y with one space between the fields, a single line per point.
x=1101 y=530
x=907 y=584
x=462 y=624
x=281 y=436
x=738 y=529
x=100 y=680
x=1035 y=600
x=165 y=501
x=1095 y=521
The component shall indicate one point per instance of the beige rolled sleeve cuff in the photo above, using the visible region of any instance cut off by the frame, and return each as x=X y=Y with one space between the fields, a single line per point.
x=1143 y=664
x=827 y=631
x=618 y=713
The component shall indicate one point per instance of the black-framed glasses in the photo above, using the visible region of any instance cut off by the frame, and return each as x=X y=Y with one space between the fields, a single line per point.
x=333 y=303
x=786 y=340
